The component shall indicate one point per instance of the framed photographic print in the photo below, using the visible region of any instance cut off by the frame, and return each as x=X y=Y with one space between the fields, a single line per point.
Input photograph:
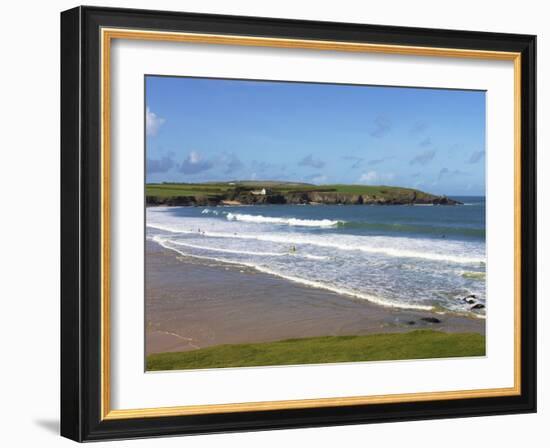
x=272 y=223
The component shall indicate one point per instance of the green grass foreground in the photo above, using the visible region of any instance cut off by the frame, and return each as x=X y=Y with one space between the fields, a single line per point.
x=419 y=344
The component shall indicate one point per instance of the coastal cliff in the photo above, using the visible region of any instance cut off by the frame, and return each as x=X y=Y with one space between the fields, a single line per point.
x=269 y=192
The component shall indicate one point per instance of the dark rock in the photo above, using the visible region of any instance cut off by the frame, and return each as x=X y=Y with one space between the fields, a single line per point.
x=275 y=199
x=431 y=320
x=444 y=200
x=469 y=299
x=411 y=322
x=478 y=306
x=297 y=198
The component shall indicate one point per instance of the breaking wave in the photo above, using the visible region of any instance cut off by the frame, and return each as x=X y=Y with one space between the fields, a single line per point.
x=285 y=221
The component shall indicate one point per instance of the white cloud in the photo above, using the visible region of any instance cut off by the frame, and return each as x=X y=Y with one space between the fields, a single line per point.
x=194 y=157
x=373 y=177
x=194 y=163
x=369 y=177
x=152 y=123
x=162 y=165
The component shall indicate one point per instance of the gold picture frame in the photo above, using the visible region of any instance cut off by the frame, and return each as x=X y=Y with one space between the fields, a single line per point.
x=108 y=30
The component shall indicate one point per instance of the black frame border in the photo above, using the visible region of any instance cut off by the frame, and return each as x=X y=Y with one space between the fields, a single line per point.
x=81 y=223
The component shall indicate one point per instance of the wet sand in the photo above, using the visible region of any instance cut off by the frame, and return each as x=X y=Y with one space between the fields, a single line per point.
x=191 y=304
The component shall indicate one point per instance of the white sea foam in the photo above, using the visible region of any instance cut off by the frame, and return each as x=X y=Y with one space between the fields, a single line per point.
x=344 y=291
x=285 y=221
x=241 y=252
x=311 y=283
x=345 y=243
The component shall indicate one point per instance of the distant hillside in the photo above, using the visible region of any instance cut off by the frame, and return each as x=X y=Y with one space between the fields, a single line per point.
x=274 y=192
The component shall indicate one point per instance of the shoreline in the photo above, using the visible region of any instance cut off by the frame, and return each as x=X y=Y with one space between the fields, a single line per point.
x=192 y=304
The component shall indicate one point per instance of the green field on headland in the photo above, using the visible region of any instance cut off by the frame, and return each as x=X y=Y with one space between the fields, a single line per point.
x=419 y=344
x=169 y=189
x=275 y=192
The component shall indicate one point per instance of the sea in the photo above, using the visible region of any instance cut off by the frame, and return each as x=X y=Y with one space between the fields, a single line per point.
x=421 y=257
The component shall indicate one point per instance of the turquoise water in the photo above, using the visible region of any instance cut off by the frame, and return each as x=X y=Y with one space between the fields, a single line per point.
x=412 y=257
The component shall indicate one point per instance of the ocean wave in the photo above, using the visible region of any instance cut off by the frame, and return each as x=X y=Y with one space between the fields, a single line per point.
x=311 y=283
x=344 y=291
x=353 y=244
x=395 y=227
x=160 y=239
x=286 y=221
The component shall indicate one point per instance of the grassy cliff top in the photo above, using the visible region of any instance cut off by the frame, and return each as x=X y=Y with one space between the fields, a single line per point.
x=276 y=187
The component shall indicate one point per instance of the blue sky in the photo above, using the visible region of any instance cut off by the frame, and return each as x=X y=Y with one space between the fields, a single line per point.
x=200 y=130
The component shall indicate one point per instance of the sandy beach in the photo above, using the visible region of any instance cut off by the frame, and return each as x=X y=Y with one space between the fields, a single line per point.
x=192 y=304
